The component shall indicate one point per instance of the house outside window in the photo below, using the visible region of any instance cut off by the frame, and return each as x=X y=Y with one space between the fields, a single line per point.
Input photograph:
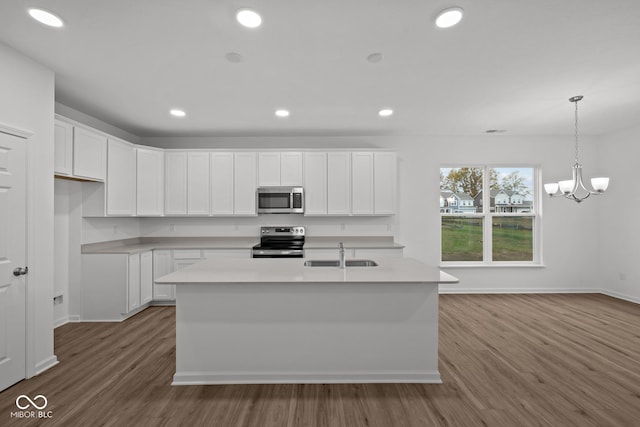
x=495 y=219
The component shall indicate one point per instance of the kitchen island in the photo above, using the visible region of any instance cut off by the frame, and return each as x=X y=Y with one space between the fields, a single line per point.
x=279 y=321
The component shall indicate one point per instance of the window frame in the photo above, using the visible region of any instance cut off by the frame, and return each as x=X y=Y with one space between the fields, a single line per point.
x=487 y=216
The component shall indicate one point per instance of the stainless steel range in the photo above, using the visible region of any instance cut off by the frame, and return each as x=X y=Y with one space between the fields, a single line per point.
x=280 y=242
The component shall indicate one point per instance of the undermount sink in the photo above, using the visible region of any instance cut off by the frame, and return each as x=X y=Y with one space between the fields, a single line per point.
x=336 y=263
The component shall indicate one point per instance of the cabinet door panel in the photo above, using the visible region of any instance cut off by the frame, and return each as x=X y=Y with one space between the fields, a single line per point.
x=291 y=168
x=121 y=178
x=198 y=183
x=175 y=196
x=362 y=183
x=385 y=178
x=268 y=169
x=63 y=149
x=222 y=183
x=245 y=183
x=134 y=282
x=150 y=182
x=315 y=183
x=146 y=277
x=162 y=265
x=89 y=154
x=339 y=183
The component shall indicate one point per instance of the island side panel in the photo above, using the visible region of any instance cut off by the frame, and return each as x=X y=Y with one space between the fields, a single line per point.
x=306 y=333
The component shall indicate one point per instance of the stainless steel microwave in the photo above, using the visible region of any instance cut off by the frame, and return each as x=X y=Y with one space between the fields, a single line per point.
x=278 y=200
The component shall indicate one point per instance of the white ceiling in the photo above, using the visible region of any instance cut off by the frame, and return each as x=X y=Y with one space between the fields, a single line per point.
x=510 y=64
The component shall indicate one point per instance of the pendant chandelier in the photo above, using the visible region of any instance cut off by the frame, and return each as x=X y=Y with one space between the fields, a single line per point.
x=574 y=189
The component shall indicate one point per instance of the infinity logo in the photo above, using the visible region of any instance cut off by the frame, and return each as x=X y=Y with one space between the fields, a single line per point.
x=23 y=397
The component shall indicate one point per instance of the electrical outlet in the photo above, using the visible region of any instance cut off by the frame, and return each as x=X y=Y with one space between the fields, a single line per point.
x=115 y=229
x=623 y=276
x=172 y=227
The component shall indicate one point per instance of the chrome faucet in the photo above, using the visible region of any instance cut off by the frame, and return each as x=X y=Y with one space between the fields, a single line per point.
x=341 y=252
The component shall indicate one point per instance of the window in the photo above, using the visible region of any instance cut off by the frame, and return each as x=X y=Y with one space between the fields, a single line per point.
x=496 y=221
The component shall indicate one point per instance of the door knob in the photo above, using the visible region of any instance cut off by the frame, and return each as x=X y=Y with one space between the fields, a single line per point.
x=20 y=271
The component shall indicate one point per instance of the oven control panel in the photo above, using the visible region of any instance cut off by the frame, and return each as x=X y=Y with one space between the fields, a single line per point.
x=282 y=231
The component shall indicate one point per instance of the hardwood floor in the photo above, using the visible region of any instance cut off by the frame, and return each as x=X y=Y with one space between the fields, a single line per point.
x=505 y=360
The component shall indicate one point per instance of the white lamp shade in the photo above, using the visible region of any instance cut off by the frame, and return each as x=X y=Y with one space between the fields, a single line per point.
x=551 y=188
x=600 y=184
x=566 y=187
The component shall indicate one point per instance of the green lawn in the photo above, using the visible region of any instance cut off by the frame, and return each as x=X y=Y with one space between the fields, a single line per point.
x=462 y=239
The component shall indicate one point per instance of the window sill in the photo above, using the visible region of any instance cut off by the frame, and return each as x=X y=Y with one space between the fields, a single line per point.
x=514 y=265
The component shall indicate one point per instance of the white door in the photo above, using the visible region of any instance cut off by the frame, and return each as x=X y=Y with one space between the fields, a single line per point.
x=13 y=237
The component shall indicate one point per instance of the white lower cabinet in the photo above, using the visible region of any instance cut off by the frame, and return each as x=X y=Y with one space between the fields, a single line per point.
x=146 y=277
x=167 y=261
x=162 y=265
x=114 y=286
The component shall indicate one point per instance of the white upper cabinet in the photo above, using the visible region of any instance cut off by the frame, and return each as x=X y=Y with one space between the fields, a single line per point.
x=150 y=181
x=222 y=183
x=89 y=154
x=198 y=183
x=63 y=149
x=339 y=183
x=175 y=195
x=121 y=178
x=362 y=183
x=315 y=183
x=291 y=168
x=275 y=168
x=385 y=177
x=245 y=179
x=268 y=169
x=374 y=182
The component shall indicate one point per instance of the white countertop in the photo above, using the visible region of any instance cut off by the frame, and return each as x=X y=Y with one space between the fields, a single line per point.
x=143 y=244
x=292 y=270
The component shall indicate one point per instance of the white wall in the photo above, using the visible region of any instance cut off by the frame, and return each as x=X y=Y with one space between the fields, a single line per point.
x=27 y=102
x=619 y=253
x=569 y=253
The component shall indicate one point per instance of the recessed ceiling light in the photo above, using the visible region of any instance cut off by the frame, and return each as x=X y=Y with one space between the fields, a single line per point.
x=385 y=112
x=282 y=113
x=46 y=18
x=449 y=17
x=248 y=18
x=177 y=112
x=375 y=57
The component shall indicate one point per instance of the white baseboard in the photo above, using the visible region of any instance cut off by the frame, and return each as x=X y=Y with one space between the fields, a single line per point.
x=621 y=296
x=519 y=291
x=64 y=320
x=46 y=364
x=211 y=378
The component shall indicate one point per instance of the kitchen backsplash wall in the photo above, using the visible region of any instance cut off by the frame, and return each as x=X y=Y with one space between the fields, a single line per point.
x=104 y=229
